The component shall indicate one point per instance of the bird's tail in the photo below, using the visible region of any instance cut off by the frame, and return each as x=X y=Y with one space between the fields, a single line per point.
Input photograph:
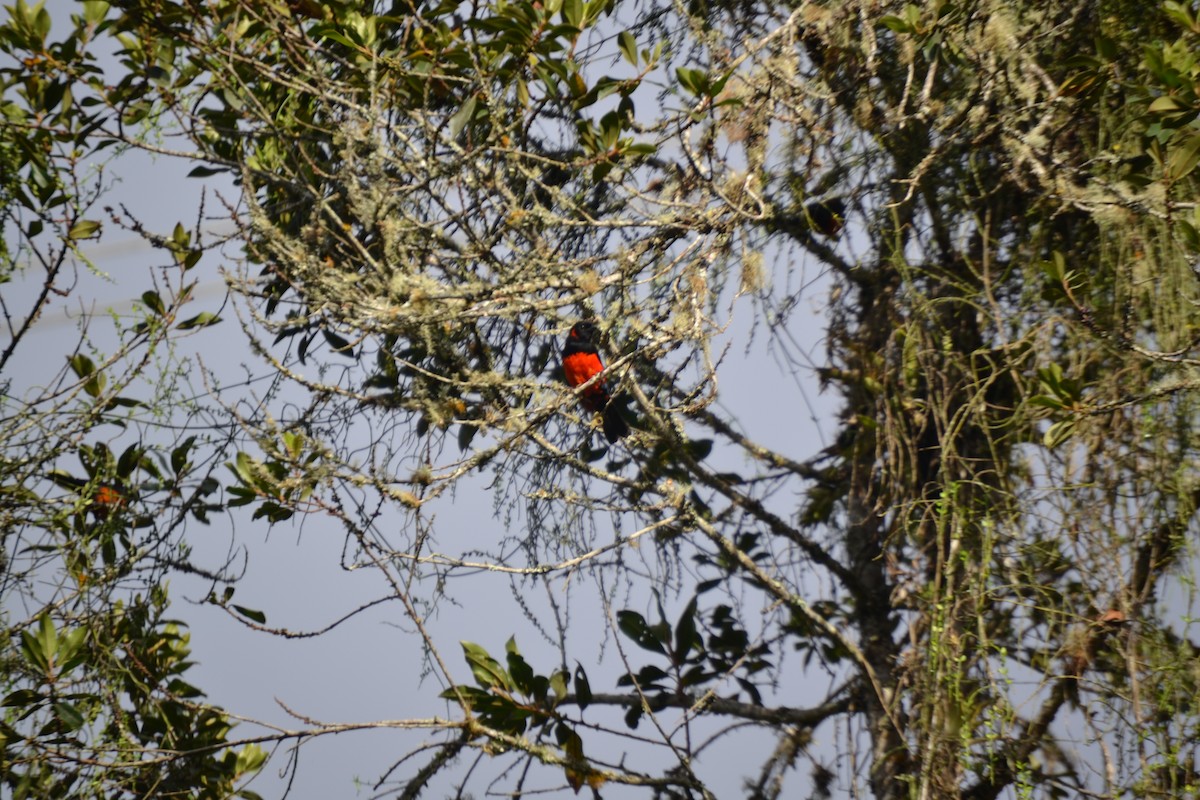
x=615 y=426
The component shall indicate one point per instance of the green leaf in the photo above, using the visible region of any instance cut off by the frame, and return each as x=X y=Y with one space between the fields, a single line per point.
x=71 y=652
x=634 y=626
x=1165 y=104
x=558 y=684
x=251 y=614
x=83 y=229
x=487 y=671
x=153 y=302
x=250 y=759
x=246 y=467
x=38 y=652
x=239 y=496
x=1052 y=377
x=695 y=676
x=340 y=344
x=95 y=385
x=204 y=172
x=180 y=237
x=81 y=365
x=752 y=690
x=522 y=674
x=628 y=46
x=273 y=512
x=1046 y=401
x=463 y=116
x=593 y=8
x=1106 y=48
x=610 y=129
x=129 y=460
x=179 y=456
x=201 y=320
x=895 y=24
x=334 y=34
x=42 y=22
x=1183 y=159
x=65 y=480
x=647 y=678
x=576 y=770
x=47 y=637
x=719 y=84
x=1056 y=268
x=686 y=636
x=124 y=402
x=470 y=694
x=94 y=11
x=293 y=443
x=21 y=698
x=572 y=12
x=1058 y=433
x=1190 y=234
x=583 y=689
x=465 y=434
x=694 y=80
x=68 y=715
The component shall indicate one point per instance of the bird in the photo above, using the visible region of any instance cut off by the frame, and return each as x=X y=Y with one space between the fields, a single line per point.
x=107 y=501
x=827 y=216
x=581 y=362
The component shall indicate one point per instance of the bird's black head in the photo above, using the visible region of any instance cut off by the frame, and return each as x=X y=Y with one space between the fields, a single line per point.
x=584 y=333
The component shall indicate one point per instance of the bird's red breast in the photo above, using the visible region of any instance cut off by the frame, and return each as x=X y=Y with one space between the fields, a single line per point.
x=579 y=368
